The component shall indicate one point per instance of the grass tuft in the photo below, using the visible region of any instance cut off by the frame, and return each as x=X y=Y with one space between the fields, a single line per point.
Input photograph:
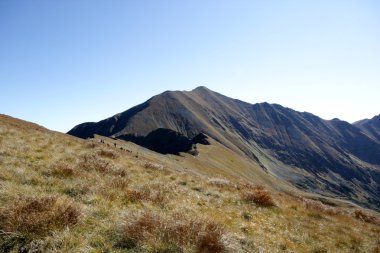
x=91 y=162
x=146 y=194
x=108 y=153
x=200 y=235
x=258 y=196
x=364 y=216
x=153 y=166
x=63 y=170
x=38 y=216
x=320 y=207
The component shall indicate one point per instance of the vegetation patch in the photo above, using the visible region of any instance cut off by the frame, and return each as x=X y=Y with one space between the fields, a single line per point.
x=153 y=166
x=38 y=216
x=145 y=194
x=364 y=216
x=258 y=196
x=91 y=162
x=168 y=209
x=222 y=183
x=146 y=226
x=108 y=153
x=247 y=216
x=63 y=170
x=321 y=208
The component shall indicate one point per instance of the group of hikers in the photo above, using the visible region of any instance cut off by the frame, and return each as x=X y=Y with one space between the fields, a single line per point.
x=115 y=145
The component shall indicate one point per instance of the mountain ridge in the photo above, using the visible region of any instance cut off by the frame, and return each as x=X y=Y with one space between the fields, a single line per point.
x=331 y=157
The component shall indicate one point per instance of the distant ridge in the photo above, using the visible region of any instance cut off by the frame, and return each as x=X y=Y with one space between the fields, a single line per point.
x=331 y=157
x=370 y=126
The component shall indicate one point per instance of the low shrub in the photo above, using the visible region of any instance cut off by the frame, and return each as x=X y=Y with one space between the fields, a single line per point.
x=200 y=235
x=76 y=191
x=93 y=162
x=145 y=194
x=137 y=195
x=120 y=183
x=258 y=196
x=364 y=216
x=63 y=170
x=38 y=216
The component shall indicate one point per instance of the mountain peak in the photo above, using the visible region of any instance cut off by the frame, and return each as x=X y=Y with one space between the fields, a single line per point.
x=201 y=89
x=261 y=132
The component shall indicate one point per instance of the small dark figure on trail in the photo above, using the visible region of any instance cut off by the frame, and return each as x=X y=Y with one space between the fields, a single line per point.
x=114 y=145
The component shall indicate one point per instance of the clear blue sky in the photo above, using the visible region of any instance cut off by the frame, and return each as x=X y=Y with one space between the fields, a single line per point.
x=70 y=61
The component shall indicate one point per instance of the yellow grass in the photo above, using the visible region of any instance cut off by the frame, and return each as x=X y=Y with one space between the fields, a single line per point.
x=62 y=194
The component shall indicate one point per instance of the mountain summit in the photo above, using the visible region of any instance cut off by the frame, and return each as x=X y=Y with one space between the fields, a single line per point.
x=330 y=157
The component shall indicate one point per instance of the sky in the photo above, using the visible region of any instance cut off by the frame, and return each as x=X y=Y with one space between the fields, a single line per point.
x=67 y=62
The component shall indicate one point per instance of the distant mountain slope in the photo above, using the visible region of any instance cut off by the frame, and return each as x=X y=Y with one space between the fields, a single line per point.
x=370 y=126
x=329 y=157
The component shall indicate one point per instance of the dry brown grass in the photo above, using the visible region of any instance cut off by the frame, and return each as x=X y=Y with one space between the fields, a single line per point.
x=145 y=194
x=38 y=216
x=321 y=208
x=258 y=196
x=222 y=183
x=108 y=153
x=174 y=207
x=201 y=235
x=91 y=162
x=91 y=144
x=63 y=170
x=121 y=183
x=153 y=166
x=365 y=216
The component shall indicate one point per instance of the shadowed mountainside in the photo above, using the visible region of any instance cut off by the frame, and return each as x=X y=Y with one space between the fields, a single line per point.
x=166 y=141
x=331 y=157
x=370 y=126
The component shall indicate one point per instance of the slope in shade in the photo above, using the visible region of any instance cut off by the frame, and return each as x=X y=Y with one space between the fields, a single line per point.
x=166 y=141
x=371 y=127
x=332 y=157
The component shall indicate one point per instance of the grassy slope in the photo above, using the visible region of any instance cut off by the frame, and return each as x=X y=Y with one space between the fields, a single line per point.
x=87 y=197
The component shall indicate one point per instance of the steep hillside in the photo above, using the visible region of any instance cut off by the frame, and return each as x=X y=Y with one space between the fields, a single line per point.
x=370 y=127
x=59 y=193
x=333 y=158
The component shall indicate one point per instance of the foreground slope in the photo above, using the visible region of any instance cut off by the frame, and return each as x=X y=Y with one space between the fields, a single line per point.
x=330 y=157
x=63 y=194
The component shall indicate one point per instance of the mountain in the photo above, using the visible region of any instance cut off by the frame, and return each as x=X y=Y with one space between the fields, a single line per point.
x=370 y=126
x=59 y=193
x=329 y=157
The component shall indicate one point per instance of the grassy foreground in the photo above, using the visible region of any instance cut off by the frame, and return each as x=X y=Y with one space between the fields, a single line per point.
x=62 y=194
